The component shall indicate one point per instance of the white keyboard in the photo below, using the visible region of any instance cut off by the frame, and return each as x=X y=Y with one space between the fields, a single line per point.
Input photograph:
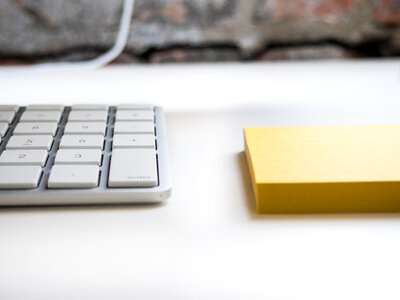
x=84 y=154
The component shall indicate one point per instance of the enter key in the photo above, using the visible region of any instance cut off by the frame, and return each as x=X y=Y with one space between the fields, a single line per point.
x=133 y=168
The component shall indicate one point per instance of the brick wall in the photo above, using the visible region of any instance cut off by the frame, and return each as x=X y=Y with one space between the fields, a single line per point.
x=200 y=30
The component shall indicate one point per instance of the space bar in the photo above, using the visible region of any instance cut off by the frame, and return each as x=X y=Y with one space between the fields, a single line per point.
x=133 y=168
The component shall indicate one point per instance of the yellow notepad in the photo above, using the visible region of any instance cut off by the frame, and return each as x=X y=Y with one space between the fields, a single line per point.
x=325 y=169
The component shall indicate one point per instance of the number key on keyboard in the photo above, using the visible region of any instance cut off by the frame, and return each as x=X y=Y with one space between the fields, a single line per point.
x=13 y=108
x=23 y=157
x=43 y=116
x=133 y=141
x=88 y=115
x=30 y=142
x=7 y=116
x=135 y=107
x=3 y=129
x=89 y=107
x=85 y=128
x=82 y=142
x=134 y=115
x=73 y=176
x=133 y=127
x=54 y=107
x=26 y=128
x=78 y=156
x=19 y=177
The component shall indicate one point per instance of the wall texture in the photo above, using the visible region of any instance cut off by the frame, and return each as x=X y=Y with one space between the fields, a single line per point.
x=200 y=30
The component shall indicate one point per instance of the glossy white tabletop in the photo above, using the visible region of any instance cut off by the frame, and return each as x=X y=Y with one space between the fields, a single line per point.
x=206 y=241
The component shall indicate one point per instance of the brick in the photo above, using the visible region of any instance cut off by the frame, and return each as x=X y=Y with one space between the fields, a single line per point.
x=174 y=13
x=327 y=51
x=387 y=11
x=332 y=8
x=304 y=9
x=180 y=55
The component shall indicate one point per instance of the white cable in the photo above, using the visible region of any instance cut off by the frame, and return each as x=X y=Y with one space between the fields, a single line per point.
x=98 y=62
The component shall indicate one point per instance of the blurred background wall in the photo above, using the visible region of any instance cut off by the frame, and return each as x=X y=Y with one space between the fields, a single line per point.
x=200 y=30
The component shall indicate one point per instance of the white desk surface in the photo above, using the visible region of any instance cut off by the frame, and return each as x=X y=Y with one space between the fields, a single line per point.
x=206 y=242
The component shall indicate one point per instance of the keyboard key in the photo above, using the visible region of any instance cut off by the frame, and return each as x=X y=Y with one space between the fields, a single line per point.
x=133 y=168
x=51 y=107
x=82 y=142
x=3 y=129
x=19 y=177
x=30 y=142
x=89 y=107
x=85 y=128
x=133 y=127
x=134 y=141
x=88 y=116
x=135 y=107
x=13 y=108
x=134 y=115
x=36 y=128
x=41 y=116
x=7 y=116
x=73 y=176
x=24 y=157
x=78 y=157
